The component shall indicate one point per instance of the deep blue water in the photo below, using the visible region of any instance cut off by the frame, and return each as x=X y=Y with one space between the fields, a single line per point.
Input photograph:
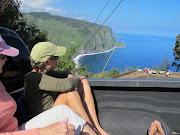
x=141 y=50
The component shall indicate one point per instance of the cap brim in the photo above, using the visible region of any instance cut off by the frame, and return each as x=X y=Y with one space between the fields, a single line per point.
x=9 y=51
x=60 y=51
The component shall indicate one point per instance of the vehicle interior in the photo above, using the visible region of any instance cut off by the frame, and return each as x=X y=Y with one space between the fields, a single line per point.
x=124 y=106
x=16 y=67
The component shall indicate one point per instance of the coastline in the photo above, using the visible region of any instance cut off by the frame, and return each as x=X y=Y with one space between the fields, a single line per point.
x=77 y=58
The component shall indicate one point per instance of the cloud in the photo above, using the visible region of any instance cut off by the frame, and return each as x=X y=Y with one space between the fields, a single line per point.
x=39 y=6
x=82 y=17
x=55 y=10
x=35 y=4
x=43 y=6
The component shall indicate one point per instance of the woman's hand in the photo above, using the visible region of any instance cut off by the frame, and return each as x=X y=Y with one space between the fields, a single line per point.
x=81 y=77
x=58 y=128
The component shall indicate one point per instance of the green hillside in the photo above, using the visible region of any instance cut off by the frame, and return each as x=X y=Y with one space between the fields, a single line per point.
x=68 y=31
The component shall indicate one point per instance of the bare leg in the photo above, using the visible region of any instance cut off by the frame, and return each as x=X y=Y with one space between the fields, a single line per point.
x=73 y=100
x=88 y=102
x=87 y=130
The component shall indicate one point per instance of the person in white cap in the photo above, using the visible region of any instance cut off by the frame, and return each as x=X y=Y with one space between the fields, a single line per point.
x=60 y=120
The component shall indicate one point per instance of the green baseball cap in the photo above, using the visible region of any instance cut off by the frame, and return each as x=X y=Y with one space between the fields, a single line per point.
x=42 y=51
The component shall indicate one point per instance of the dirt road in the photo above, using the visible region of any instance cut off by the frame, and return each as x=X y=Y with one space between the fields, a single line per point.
x=136 y=74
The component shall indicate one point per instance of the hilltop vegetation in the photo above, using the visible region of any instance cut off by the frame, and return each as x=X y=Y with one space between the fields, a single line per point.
x=176 y=53
x=72 y=32
x=12 y=18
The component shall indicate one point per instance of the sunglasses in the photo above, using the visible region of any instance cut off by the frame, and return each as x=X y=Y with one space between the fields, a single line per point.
x=2 y=56
x=54 y=58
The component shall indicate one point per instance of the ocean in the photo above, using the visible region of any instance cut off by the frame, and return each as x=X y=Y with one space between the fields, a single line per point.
x=141 y=50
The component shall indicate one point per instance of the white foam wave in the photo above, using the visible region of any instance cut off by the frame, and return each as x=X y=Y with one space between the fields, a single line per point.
x=76 y=59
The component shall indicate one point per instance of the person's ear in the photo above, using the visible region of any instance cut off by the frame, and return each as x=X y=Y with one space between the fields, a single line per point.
x=46 y=62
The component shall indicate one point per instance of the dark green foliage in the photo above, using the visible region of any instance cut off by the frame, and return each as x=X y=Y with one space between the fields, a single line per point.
x=65 y=63
x=176 y=53
x=9 y=13
x=114 y=72
x=106 y=74
x=84 y=71
x=138 y=67
x=11 y=18
x=155 y=67
x=164 y=64
x=128 y=69
x=30 y=33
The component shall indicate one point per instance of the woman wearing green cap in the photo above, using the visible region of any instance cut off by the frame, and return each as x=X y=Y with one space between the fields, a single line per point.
x=59 y=120
x=46 y=88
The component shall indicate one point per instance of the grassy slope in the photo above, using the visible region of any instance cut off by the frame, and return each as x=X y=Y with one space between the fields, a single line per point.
x=67 y=32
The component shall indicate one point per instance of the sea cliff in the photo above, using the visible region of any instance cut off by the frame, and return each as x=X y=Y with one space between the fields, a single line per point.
x=68 y=32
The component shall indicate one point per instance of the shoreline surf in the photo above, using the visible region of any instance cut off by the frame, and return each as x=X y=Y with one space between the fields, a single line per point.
x=77 y=58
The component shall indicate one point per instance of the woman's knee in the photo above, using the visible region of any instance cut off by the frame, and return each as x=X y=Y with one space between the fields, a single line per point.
x=72 y=94
x=70 y=75
x=83 y=88
x=64 y=98
x=85 y=81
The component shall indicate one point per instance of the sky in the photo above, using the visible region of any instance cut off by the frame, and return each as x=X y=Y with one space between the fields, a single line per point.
x=151 y=17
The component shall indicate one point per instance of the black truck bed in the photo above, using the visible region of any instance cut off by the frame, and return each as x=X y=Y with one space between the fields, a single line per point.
x=128 y=106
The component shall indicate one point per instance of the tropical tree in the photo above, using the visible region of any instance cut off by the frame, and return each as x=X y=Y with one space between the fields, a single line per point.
x=9 y=13
x=176 y=53
x=12 y=18
x=66 y=63
x=155 y=67
x=114 y=72
x=165 y=64
x=84 y=70
x=138 y=67
x=128 y=68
